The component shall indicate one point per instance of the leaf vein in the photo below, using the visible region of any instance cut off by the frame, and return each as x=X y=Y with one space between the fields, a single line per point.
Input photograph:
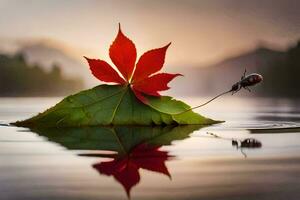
x=118 y=105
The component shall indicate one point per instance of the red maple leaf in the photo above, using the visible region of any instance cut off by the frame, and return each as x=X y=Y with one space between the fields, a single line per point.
x=125 y=169
x=142 y=77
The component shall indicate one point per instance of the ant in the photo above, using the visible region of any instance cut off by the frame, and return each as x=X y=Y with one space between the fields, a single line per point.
x=246 y=81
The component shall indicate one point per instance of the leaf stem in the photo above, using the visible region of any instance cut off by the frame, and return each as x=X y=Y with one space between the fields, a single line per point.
x=205 y=102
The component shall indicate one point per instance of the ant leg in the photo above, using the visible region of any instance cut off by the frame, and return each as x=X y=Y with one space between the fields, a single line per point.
x=244 y=74
x=244 y=154
x=247 y=89
x=235 y=91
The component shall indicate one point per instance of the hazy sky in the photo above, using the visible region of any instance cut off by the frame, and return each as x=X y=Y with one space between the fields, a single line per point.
x=200 y=30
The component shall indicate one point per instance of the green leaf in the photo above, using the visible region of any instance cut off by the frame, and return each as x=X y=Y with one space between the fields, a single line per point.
x=114 y=105
x=119 y=139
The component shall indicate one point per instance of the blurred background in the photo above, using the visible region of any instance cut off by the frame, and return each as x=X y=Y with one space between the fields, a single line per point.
x=42 y=43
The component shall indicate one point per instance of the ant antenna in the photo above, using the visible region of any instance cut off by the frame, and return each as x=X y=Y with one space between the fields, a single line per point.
x=244 y=75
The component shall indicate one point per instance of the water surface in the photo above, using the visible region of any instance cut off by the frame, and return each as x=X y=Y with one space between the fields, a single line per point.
x=155 y=163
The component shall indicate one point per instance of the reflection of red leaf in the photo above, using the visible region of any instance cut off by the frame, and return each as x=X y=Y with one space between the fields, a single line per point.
x=123 y=54
x=151 y=158
x=126 y=169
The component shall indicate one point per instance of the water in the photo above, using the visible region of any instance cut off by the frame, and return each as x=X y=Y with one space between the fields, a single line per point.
x=155 y=163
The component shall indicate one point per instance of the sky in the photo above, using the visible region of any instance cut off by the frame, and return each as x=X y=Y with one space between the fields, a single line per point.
x=201 y=31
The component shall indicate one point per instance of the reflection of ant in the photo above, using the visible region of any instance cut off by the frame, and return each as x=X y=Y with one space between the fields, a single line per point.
x=249 y=143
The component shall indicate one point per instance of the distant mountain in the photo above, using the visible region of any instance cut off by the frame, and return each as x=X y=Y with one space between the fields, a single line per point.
x=47 y=55
x=17 y=78
x=212 y=79
x=282 y=77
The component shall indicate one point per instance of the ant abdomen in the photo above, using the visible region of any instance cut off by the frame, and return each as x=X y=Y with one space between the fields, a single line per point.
x=251 y=80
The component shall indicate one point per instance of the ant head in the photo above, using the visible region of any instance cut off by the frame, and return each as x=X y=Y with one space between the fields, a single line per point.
x=235 y=87
x=234 y=143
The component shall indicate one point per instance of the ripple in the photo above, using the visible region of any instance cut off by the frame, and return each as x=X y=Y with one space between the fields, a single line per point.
x=254 y=126
x=4 y=124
